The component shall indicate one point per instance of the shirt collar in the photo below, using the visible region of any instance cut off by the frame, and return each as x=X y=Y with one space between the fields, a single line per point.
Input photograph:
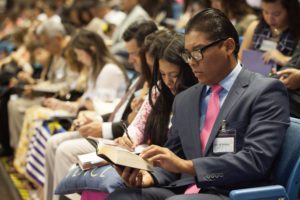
x=228 y=81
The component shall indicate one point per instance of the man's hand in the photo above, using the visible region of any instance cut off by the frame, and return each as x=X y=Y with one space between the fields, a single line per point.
x=52 y=103
x=91 y=129
x=275 y=56
x=27 y=92
x=290 y=78
x=166 y=159
x=135 y=177
x=25 y=76
x=88 y=123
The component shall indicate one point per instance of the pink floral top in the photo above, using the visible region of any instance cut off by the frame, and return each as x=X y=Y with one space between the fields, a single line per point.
x=137 y=127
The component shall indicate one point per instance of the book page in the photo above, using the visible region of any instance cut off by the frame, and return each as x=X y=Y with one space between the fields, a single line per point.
x=90 y=160
x=140 y=148
x=123 y=157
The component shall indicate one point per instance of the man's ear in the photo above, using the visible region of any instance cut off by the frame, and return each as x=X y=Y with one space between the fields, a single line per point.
x=93 y=49
x=230 y=45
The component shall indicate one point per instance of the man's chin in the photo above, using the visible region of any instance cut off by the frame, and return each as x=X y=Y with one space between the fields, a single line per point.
x=201 y=79
x=205 y=81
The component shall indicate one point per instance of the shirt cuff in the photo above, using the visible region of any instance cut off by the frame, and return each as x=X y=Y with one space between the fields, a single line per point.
x=107 y=130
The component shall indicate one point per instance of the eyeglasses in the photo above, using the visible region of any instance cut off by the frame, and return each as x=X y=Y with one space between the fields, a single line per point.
x=197 y=54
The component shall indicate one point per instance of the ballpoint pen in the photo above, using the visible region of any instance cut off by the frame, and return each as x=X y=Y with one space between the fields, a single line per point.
x=124 y=126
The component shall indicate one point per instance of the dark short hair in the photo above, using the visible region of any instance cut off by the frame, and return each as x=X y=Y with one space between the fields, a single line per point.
x=139 y=30
x=215 y=25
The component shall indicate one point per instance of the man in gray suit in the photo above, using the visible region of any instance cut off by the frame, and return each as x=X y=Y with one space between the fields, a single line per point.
x=219 y=140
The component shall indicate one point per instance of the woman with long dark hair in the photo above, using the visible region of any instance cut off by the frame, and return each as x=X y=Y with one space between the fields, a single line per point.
x=171 y=75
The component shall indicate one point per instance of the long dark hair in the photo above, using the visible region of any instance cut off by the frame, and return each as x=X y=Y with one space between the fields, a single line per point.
x=293 y=10
x=167 y=46
x=149 y=48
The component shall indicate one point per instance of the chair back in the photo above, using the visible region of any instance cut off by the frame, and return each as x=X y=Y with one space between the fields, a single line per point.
x=287 y=170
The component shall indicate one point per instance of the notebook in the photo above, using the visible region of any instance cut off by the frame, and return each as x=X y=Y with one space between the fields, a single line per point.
x=252 y=60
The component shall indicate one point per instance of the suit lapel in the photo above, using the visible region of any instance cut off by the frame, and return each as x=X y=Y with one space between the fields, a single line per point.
x=195 y=125
x=236 y=91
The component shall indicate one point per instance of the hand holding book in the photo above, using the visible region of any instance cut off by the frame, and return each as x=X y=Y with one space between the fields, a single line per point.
x=164 y=158
x=118 y=155
x=135 y=177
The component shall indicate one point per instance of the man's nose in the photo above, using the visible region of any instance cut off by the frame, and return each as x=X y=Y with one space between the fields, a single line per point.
x=130 y=59
x=192 y=62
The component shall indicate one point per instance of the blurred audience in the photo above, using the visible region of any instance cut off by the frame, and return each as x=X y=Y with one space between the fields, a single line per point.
x=90 y=60
x=239 y=13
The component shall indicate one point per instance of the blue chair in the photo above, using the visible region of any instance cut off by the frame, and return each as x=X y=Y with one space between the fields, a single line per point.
x=286 y=174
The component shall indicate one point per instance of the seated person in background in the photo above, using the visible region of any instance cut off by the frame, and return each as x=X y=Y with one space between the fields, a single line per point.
x=134 y=12
x=12 y=82
x=67 y=146
x=192 y=8
x=54 y=38
x=107 y=80
x=276 y=33
x=246 y=106
x=239 y=13
x=290 y=77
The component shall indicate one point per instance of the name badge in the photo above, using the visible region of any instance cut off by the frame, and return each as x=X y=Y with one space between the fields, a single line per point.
x=268 y=45
x=224 y=145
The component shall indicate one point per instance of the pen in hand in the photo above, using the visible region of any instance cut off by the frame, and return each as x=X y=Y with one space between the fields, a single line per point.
x=124 y=126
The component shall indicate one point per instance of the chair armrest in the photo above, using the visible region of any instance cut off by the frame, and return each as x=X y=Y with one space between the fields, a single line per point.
x=265 y=192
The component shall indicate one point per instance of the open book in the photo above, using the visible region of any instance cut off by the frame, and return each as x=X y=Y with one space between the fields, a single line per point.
x=116 y=155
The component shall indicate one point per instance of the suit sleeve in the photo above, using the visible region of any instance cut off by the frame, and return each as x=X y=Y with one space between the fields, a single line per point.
x=268 y=120
x=117 y=129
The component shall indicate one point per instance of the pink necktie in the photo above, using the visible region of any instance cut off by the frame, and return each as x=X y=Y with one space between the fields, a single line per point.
x=212 y=112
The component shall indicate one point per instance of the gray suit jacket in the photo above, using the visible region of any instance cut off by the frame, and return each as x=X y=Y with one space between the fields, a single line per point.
x=257 y=108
